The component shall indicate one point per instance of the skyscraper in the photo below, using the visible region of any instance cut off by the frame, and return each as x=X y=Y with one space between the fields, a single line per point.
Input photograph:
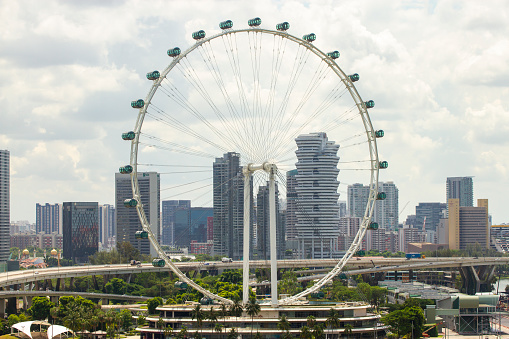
x=317 y=196
x=4 y=205
x=468 y=225
x=48 y=218
x=432 y=211
x=106 y=226
x=263 y=225
x=127 y=221
x=461 y=188
x=291 y=205
x=228 y=200
x=386 y=212
x=80 y=225
x=358 y=196
x=168 y=218
x=191 y=224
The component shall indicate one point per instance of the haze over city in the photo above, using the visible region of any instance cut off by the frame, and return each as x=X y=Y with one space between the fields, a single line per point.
x=436 y=70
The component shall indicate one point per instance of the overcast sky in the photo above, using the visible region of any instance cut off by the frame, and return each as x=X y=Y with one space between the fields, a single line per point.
x=437 y=70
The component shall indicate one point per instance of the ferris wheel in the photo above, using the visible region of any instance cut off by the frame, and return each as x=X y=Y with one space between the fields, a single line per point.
x=252 y=91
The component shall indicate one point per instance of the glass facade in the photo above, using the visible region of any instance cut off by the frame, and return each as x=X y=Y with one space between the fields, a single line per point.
x=81 y=230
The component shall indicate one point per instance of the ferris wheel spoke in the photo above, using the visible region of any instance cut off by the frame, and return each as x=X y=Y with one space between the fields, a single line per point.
x=211 y=62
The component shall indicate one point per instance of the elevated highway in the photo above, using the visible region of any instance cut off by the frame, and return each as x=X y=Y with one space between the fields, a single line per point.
x=358 y=265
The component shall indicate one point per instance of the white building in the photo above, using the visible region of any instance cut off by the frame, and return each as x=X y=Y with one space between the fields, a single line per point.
x=5 y=220
x=317 y=196
x=386 y=212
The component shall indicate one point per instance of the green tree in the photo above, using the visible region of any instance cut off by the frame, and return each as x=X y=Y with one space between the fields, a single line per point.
x=252 y=309
x=211 y=316
x=377 y=296
x=141 y=320
x=311 y=321
x=198 y=314
x=402 y=321
x=283 y=323
x=110 y=331
x=74 y=317
x=318 y=332
x=348 y=330
x=218 y=328
x=233 y=334
x=40 y=308
x=305 y=333
x=168 y=331
x=236 y=308
x=289 y=284
x=183 y=332
x=333 y=320
x=153 y=303
x=258 y=335
x=12 y=319
x=116 y=286
x=126 y=319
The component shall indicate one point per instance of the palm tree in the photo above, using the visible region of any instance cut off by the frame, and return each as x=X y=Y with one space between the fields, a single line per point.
x=348 y=330
x=219 y=328
x=183 y=332
x=198 y=314
x=233 y=334
x=311 y=321
x=318 y=332
x=252 y=309
x=305 y=333
x=236 y=308
x=333 y=321
x=211 y=316
x=283 y=324
x=258 y=335
x=160 y=324
x=168 y=330
x=73 y=319
x=223 y=312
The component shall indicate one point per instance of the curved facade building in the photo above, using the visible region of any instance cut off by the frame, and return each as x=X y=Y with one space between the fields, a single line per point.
x=317 y=196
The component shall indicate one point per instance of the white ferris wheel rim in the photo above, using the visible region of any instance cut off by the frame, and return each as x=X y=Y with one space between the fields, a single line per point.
x=371 y=139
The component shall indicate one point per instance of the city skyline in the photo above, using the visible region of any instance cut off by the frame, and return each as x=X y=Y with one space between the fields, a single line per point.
x=68 y=127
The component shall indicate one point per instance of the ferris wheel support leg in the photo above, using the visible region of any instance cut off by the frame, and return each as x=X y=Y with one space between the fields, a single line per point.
x=273 y=246
x=245 y=253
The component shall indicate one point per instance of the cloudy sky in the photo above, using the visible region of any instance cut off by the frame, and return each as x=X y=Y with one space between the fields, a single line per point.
x=437 y=70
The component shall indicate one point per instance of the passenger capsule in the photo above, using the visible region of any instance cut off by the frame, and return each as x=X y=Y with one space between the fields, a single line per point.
x=254 y=22
x=384 y=164
x=181 y=285
x=153 y=75
x=138 y=103
x=174 y=52
x=284 y=26
x=128 y=135
x=199 y=35
x=318 y=295
x=373 y=226
x=333 y=55
x=158 y=262
x=309 y=37
x=354 y=77
x=126 y=169
x=379 y=133
x=206 y=301
x=226 y=24
x=130 y=202
x=381 y=196
x=141 y=235
x=370 y=104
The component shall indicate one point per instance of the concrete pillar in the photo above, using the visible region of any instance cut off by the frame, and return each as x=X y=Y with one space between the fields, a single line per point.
x=71 y=284
x=28 y=304
x=57 y=287
x=54 y=299
x=105 y=301
x=2 y=308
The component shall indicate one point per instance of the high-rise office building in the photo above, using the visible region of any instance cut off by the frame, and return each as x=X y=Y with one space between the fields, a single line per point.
x=468 y=225
x=48 y=218
x=5 y=211
x=169 y=207
x=106 y=226
x=342 y=209
x=228 y=200
x=190 y=224
x=127 y=221
x=432 y=211
x=317 y=196
x=80 y=225
x=348 y=228
x=461 y=188
x=386 y=212
x=357 y=196
x=263 y=225
x=291 y=205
